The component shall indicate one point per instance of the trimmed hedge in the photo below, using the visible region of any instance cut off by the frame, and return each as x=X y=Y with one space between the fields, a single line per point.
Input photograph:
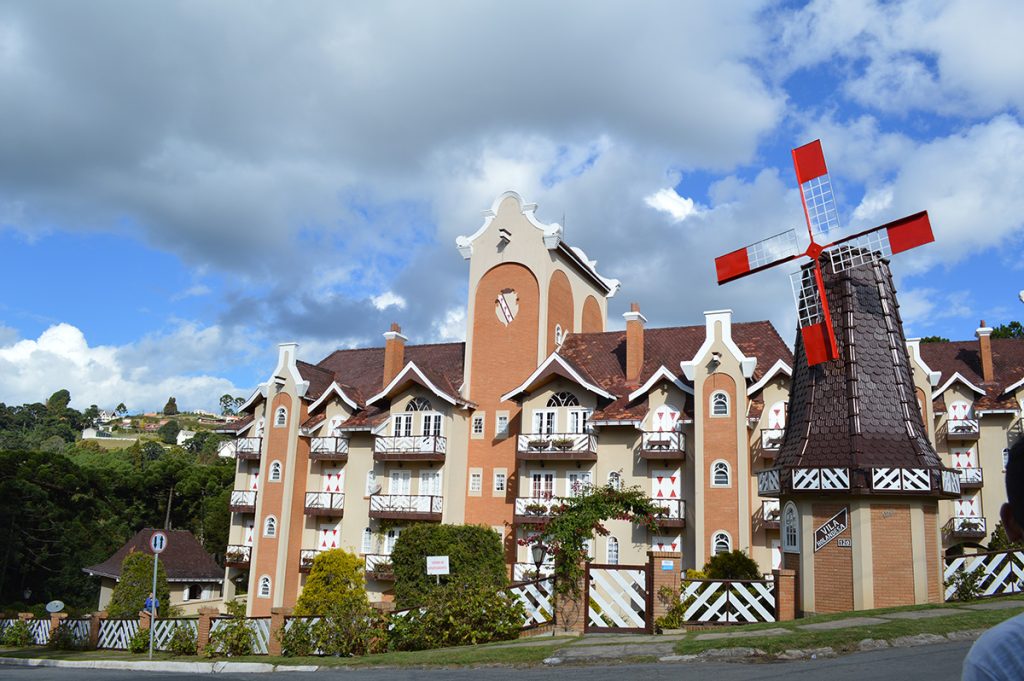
x=474 y=553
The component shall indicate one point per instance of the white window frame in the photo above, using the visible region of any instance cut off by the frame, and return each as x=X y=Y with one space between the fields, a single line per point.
x=281 y=417
x=615 y=479
x=721 y=464
x=583 y=478
x=545 y=421
x=429 y=476
x=404 y=478
x=477 y=428
x=541 y=474
x=717 y=537
x=401 y=424
x=432 y=424
x=265 y=585
x=578 y=418
x=270 y=527
x=501 y=424
x=500 y=481
x=367 y=541
x=275 y=467
x=712 y=406
x=790 y=521
x=476 y=482
x=612 y=551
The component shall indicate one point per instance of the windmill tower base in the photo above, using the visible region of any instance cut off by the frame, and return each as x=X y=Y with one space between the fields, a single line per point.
x=886 y=555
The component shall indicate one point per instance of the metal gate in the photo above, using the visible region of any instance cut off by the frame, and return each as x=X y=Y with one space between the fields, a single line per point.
x=619 y=598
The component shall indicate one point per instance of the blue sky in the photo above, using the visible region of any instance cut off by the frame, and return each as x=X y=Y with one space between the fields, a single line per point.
x=187 y=185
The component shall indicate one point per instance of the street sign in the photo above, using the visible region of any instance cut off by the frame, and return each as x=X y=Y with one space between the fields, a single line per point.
x=54 y=606
x=437 y=565
x=158 y=542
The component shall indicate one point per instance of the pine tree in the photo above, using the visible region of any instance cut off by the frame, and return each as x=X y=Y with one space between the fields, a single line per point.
x=171 y=408
x=136 y=582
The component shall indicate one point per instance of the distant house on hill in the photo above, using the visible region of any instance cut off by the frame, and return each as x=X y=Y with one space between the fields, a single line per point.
x=195 y=579
x=184 y=436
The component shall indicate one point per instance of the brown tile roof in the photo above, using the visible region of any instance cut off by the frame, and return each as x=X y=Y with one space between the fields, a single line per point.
x=234 y=426
x=320 y=379
x=964 y=357
x=184 y=559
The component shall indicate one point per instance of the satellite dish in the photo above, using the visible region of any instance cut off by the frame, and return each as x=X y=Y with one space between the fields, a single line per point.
x=54 y=606
x=375 y=489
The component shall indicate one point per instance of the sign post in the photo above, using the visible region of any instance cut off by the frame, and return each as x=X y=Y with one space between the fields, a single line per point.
x=158 y=542
x=437 y=566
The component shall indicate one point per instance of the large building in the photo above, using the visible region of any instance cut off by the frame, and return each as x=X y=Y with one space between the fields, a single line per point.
x=539 y=401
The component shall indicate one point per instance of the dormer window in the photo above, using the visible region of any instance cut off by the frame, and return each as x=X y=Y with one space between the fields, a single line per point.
x=563 y=399
x=418 y=404
x=280 y=417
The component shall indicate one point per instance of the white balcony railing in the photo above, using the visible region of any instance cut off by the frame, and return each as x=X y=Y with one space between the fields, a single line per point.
x=306 y=558
x=242 y=499
x=658 y=441
x=771 y=438
x=406 y=503
x=967 y=526
x=327 y=447
x=237 y=555
x=410 y=444
x=961 y=428
x=557 y=443
x=378 y=564
x=537 y=506
x=325 y=502
x=970 y=476
x=526 y=572
x=673 y=509
x=241 y=448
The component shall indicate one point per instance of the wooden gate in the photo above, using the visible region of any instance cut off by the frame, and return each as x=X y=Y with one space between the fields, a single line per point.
x=619 y=598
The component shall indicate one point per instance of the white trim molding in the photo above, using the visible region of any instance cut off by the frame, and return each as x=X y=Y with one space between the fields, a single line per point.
x=957 y=377
x=914 y=345
x=336 y=390
x=778 y=367
x=552 y=234
x=554 y=358
x=711 y=317
x=1014 y=386
x=412 y=372
x=661 y=374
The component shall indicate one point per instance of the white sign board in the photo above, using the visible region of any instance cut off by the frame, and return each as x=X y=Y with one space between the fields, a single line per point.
x=832 y=528
x=437 y=565
x=158 y=542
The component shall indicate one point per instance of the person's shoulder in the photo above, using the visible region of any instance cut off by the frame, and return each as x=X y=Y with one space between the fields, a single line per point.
x=998 y=654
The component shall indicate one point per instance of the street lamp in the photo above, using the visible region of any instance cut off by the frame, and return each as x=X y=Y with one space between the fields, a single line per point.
x=539 y=553
x=27 y=593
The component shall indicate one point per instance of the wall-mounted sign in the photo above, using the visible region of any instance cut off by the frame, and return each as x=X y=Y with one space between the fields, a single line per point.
x=844 y=543
x=832 y=528
x=668 y=565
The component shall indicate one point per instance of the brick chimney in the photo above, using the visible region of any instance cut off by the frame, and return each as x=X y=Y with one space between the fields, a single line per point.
x=394 y=352
x=985 y=351
x=634 y=342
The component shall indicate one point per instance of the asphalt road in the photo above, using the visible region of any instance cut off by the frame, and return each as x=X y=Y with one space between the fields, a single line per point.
x=940 y=662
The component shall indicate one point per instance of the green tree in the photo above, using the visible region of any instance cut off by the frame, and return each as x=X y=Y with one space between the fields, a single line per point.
x=471 y=549
x=1000 y=542
x=239 y=401
x=732 y=565
x=934 y=339
x=92 y=413
x=169 y=432
x=136 y=582
x=58 y=401
x=121 y=410
x=227 y=405
x=1011 y=330
x=171 y=408
x=335 y=584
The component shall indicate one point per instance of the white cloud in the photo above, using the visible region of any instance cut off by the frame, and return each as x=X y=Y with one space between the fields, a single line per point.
x=61 y=357
x=668 y=201
x=452 y=327
x=388 y=299
x=194 y=291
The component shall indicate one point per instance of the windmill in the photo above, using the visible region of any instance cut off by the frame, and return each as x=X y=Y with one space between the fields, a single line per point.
x=819 y=204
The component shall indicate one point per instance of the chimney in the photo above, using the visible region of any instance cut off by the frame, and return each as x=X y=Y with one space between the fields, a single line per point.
x=985 y=351
x=394 y=352
x=634 y=342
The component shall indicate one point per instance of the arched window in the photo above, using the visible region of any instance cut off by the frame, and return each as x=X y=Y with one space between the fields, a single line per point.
x=367 y=540
x=563 y=399
x=280 y=417
x=270 y=526
x=615 y=480
x=264 y=589
x=719 y=403
x=418 y=404
x=790 y=529
x=720 y=474
x=558 y=334
x=613 y=551
x=722 y=543
x=275 y=471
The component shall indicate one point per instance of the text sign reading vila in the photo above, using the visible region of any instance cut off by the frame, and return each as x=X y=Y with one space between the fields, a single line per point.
x=832 y=528
x=437 y=565
x=158 y=542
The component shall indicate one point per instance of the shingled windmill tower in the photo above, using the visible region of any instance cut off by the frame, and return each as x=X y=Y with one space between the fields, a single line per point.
x=858 y=479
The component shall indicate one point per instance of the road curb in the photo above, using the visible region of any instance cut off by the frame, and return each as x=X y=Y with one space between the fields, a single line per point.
x=162 y=666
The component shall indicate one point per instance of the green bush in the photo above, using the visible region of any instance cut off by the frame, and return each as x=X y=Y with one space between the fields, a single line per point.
x=63 y=638
x=474 y=552
x=297 y=638
x=459 y=613
x=966 y=583
x=184 y=640
x=139 y=642
x=18 y=635
x=234 y=637
x=732 y=565
x=132 y=589
x=335 y=584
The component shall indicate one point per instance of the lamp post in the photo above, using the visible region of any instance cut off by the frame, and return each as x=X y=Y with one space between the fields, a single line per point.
x=539 y=552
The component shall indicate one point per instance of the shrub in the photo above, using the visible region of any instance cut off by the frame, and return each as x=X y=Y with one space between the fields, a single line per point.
x=234 y=637
x=184 y=640
x=459 y=613
x=966 y=583
x=732 y=565
x=132 y=589
x=474 y=552
x=139 y=642
x=18 y=635
x=63 y=638
x=335 y=584
x=362 y=631
x=297 y=638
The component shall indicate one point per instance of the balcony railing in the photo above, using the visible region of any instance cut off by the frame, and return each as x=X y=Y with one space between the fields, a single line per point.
x=662 y=445
x=306 y=558
x=771 y=514
x=325 y=503
x=771 y=439
x=409 y=448
x=970 y=477
x=406 y=507
x=527 y=572
x=967 y=528
x=328 y=449
x=672 y=512
x=962 y=429
x=242 y=501
x=536 y=509
x=237 y=556
x=379 y=567
x=557 y=446
x=245 y=448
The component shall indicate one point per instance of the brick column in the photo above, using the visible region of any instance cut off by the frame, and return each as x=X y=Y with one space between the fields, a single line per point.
x=785 y=594
x=570 y=611
x=95 y=621
x=666 y=569
x=144 y=618
x=26 y=616
x=55 y=618
x=277 y=620
x=206 y=616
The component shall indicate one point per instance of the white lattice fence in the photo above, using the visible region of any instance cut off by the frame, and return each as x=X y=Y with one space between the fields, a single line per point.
x=163 y=630
x=40 y=631
x=115 y=634
x=617 y=597
x=79 y=629
x=538 y=600
x=728 y=601
x=6 y=623
x=259 y=626
x=1000 y=573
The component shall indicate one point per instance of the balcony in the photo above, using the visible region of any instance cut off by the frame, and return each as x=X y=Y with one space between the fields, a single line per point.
x=527 y=572
x=966 y=528
x=378 y=567
x=409 y=448
x=771 y=439
x=306 y=558
x=556 y=447
x=536 y=510
x=238 y=556
x=672 y=512
x=328 y=449
x=242 y=501
x=970 y=478
x=665 y=446
x=406 y=507
x=962 y=429
x=769 y=516
x=325 y=504
x=244 y=448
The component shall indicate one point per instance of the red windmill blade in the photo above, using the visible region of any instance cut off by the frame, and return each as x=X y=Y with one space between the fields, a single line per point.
x=819 y=204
